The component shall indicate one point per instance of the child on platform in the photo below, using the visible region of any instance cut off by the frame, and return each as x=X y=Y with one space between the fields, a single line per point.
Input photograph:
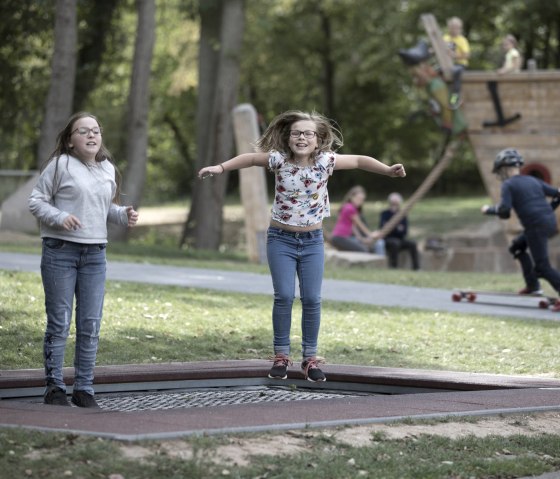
x=512 y=58
x=460 y=51
x=526 y=195
x=297 y=148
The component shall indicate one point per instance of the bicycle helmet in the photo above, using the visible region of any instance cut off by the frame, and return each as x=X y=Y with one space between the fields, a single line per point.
x=507 y=157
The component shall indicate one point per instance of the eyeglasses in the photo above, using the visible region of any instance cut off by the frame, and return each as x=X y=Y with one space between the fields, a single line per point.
x=307 y=133
x=85 y=131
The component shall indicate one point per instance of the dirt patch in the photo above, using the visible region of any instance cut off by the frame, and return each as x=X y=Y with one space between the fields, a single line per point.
x=238 y=450
x=506 y=426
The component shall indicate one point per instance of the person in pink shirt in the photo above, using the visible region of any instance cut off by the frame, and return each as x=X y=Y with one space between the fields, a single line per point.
x=351 y=232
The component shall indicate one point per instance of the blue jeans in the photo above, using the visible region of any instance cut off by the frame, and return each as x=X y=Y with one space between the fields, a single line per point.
x=72 y=269
x=290 y=254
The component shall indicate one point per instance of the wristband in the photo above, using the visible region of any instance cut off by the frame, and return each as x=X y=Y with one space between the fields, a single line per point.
x=223 y=169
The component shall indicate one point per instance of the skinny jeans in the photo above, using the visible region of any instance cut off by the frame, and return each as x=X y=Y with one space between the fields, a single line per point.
x=72 y=270
x=290 y=255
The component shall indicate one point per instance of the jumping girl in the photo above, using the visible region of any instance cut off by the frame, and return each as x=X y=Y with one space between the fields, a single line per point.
x=298 y=148
x=75 y=196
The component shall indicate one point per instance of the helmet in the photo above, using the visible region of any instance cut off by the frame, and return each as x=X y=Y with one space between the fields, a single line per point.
x=507 y=157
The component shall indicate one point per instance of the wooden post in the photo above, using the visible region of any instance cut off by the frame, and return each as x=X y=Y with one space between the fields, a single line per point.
x=252 y=183
x=439 y=46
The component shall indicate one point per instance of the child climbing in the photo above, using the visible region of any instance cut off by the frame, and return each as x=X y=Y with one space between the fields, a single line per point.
x=460 y=51
x=526 y=195
x=298 y=148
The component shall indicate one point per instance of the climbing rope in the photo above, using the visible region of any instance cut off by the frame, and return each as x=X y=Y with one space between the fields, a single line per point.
x=426 y=185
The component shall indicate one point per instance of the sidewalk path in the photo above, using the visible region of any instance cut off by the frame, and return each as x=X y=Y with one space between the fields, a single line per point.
x=333 y=290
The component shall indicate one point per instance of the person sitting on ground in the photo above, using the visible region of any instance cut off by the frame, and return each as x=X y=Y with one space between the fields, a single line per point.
x=460 y=51
x=351 y=232
x=395 y=240
x=512 y=59
x=526 y=195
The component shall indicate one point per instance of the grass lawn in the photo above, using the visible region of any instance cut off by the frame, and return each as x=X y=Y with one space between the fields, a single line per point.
x=159 y=324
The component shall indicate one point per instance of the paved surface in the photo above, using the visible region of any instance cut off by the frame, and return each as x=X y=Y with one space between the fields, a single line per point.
x=335 y=290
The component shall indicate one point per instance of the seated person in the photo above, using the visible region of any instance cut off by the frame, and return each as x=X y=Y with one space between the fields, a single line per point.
x=350 y=232
x=395 y=240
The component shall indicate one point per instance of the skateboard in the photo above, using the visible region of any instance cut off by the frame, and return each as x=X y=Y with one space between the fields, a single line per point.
x=544 y=302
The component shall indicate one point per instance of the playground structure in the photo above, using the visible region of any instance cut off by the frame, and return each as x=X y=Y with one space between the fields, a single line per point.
x=517 y=110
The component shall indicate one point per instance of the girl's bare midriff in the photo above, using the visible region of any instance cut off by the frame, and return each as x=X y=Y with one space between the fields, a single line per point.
x=295 y=229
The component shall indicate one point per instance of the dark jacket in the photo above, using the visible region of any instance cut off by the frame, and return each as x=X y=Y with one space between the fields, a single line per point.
x=526 y=195
x=400 y=231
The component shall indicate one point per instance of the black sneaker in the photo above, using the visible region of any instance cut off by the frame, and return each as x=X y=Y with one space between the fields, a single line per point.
x=55 y=396
x=279 y=369
x=311 y=369
x=83 y=399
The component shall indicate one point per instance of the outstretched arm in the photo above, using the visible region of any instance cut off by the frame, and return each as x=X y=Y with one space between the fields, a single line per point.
x=367 y=163
x=244 y=160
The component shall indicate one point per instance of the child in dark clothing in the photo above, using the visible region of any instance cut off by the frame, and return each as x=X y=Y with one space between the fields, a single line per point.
x=396 y=240
x=526 y=195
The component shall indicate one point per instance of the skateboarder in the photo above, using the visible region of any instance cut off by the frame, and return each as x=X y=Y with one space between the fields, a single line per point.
x=526 y=195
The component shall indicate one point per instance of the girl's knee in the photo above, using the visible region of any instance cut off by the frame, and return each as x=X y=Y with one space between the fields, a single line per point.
x=284 y=297
x=311 y=301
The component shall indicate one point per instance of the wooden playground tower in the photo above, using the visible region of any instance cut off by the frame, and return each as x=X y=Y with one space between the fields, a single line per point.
x=518 y=110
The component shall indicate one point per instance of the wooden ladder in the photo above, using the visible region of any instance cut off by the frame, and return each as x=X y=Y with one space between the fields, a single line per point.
x=440 y=48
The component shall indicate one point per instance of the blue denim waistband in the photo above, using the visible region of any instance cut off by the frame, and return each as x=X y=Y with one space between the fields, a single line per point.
x=296 y=234
x=74 y=244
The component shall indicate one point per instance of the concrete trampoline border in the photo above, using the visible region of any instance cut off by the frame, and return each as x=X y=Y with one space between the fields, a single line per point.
x=468 y=394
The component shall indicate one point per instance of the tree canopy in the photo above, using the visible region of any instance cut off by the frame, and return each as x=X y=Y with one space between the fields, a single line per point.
x=334 y=56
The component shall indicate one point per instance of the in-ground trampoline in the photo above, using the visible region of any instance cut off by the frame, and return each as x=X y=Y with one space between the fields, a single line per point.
x=178 y=399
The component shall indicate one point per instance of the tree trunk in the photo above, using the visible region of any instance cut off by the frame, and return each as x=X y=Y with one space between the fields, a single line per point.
x=90 y=56
x=328 y=64
x=136 y=149
x=58 y=107
x=218 y=82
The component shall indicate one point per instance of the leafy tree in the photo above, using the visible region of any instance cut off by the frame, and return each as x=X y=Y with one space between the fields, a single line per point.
x=26 y=28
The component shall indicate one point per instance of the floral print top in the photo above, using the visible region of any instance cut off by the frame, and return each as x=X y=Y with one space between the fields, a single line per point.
x=301 y=197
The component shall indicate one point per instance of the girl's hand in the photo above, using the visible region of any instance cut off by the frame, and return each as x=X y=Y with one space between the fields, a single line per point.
x=209 y=171
x=132 y=216
x=484 y=208
x=71 y=223
x=397 y=170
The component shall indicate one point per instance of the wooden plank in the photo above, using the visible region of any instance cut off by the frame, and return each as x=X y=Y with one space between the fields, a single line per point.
x=477 y=76
x=440 y=48
x=252 y=183
x=522 y=140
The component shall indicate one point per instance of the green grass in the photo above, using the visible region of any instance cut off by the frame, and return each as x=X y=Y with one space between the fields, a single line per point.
x=147 y=323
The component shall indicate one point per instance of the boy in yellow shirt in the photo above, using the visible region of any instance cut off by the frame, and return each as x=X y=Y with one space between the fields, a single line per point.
x=459 y=49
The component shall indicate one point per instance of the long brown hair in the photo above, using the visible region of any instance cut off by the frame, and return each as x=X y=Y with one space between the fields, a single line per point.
x=63 y=148
x=351 y=193
x=276 y=136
